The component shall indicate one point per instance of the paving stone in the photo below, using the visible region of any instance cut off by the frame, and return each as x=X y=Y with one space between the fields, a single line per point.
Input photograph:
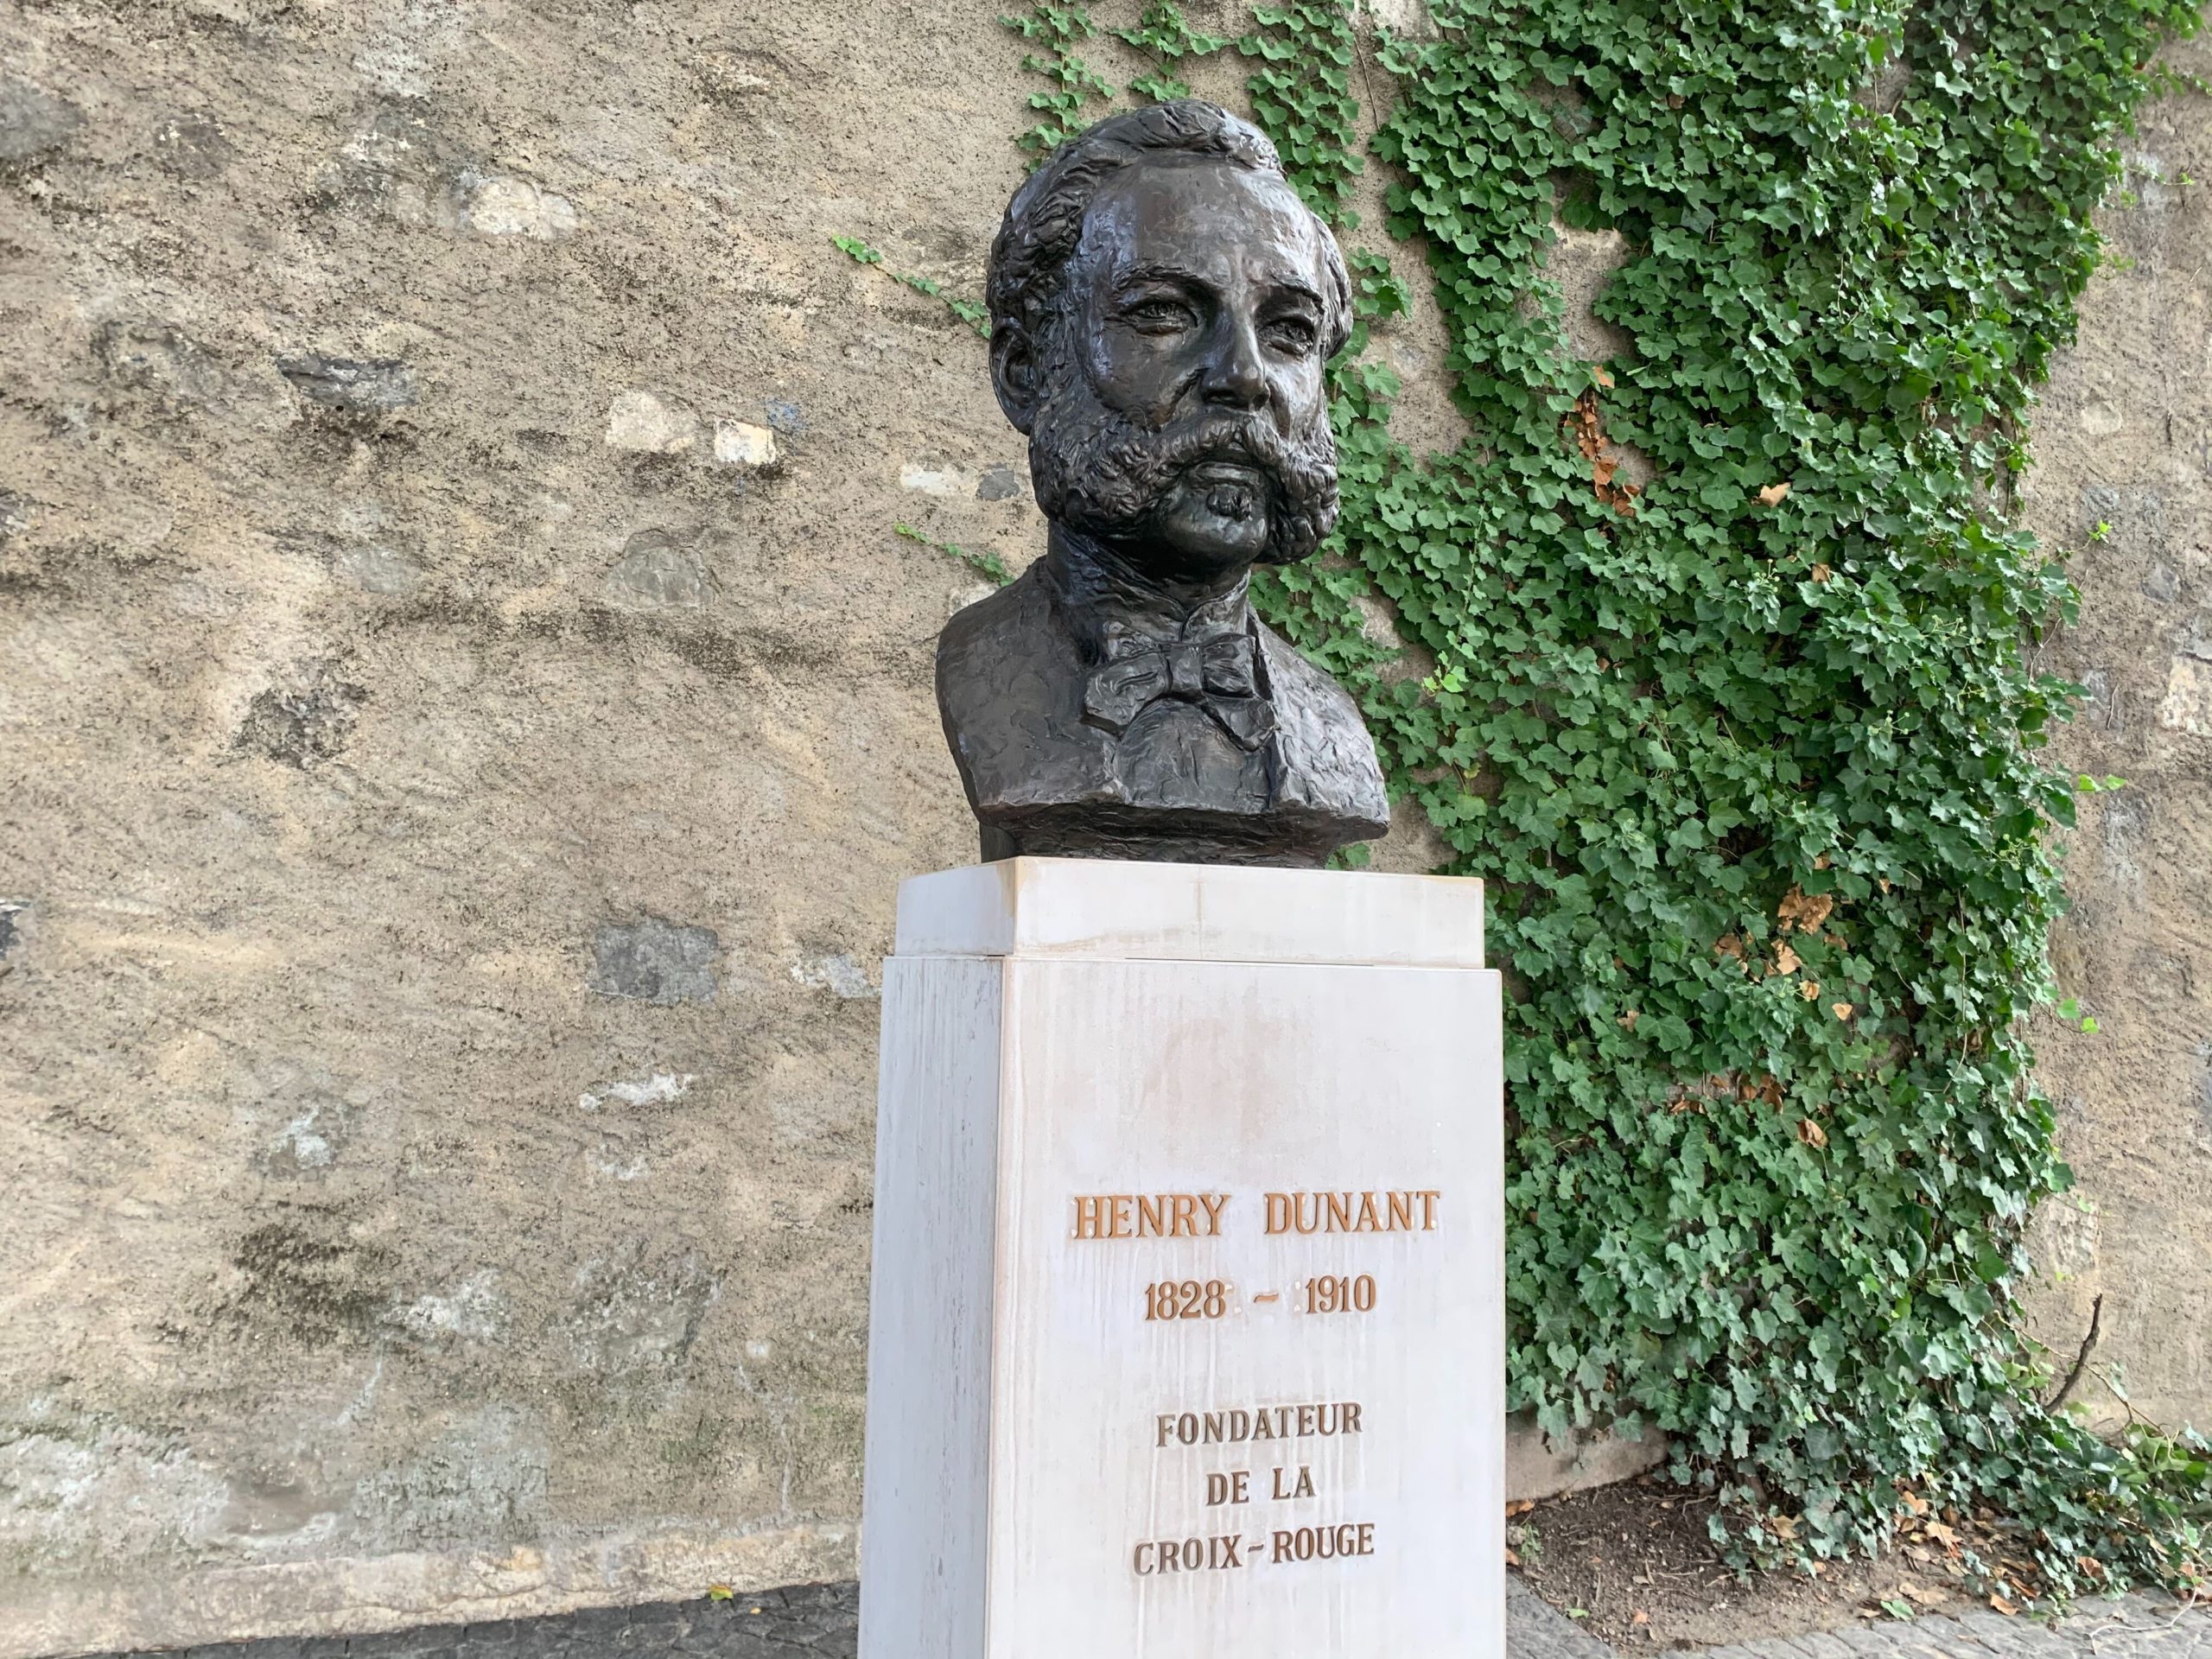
x=1535 y=1630
x=1867 y=1639
x=823 y=1621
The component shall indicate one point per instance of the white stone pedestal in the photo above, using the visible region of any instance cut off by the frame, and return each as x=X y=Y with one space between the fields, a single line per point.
x=1187 y=1336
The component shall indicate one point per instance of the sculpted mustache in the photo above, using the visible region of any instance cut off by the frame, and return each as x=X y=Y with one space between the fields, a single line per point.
x=1163 y=453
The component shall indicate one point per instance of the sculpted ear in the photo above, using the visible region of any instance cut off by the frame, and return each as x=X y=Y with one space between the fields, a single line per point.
x=1014 y=373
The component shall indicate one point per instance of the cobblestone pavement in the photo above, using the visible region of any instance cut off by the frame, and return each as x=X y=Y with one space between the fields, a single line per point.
x=824 y=1620
x=2134 y=1627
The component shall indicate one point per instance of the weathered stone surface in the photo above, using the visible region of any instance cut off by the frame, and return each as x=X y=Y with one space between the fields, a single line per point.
x=499 y=206
x=740 y=443
x=664 y=567
x=372 y=387
x=655 y=961
x=1537 y=1466
x=306 y=719
x=33 y=123
x=651 y=424
x=2122 y=484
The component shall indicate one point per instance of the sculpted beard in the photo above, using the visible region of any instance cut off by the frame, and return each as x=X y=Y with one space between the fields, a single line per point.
x=1099 y=472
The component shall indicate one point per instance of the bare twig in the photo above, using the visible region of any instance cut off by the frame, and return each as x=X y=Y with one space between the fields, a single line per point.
x=2081 y=1359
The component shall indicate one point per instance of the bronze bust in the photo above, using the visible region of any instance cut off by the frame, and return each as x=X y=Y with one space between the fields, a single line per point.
x=1162 y=309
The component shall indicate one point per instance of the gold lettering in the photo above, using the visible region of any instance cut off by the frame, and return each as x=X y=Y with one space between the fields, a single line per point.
x=1349 y=1212
x=1236 y=1426
x=1149 y=1214
x=1339 y=1542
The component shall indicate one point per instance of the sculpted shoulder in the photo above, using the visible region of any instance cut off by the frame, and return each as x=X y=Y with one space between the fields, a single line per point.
x=1329 y=758
x=972 y=649
x=1003 y=680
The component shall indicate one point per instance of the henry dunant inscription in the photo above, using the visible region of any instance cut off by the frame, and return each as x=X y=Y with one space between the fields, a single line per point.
x=1198 y=1215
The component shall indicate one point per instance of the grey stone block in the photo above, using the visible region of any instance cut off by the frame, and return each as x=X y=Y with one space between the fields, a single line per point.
x=655 y=961
x=1868 y=1638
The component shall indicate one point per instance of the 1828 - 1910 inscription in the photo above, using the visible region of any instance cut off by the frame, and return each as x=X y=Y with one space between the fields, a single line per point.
x=1262 y=1506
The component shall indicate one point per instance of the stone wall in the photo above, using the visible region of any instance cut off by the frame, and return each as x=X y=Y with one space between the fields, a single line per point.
x=466 y=713
x=2123 y=482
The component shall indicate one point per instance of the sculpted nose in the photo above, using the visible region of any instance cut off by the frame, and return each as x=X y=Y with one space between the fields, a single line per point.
x=1236 y=376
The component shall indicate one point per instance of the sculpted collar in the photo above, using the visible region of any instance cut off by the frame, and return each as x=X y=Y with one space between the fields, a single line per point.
x=1141 y=646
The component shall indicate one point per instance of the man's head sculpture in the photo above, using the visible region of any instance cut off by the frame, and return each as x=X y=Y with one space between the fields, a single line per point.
x=1163 y=310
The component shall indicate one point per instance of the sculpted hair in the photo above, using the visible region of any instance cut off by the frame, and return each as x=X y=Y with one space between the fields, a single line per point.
x=1043 y=222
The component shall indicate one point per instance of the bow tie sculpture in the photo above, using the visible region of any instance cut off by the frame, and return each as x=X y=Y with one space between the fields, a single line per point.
x=1217 y=671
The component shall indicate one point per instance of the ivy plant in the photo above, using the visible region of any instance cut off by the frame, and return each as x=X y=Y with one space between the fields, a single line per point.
x=1165 y=36
x=1715 y=669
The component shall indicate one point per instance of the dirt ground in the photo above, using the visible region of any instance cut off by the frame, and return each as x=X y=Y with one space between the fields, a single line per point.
x=1634 y=1564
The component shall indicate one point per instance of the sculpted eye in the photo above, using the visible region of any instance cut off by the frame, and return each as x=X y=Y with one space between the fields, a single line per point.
x=1295 y=335
x=1160 y=316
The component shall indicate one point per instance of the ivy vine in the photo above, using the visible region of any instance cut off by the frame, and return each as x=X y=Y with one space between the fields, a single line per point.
x=1715 y=669
x=974 y=313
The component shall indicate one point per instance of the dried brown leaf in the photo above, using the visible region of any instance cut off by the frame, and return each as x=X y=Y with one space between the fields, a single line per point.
x=1772 y=494
x=1803 y=911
